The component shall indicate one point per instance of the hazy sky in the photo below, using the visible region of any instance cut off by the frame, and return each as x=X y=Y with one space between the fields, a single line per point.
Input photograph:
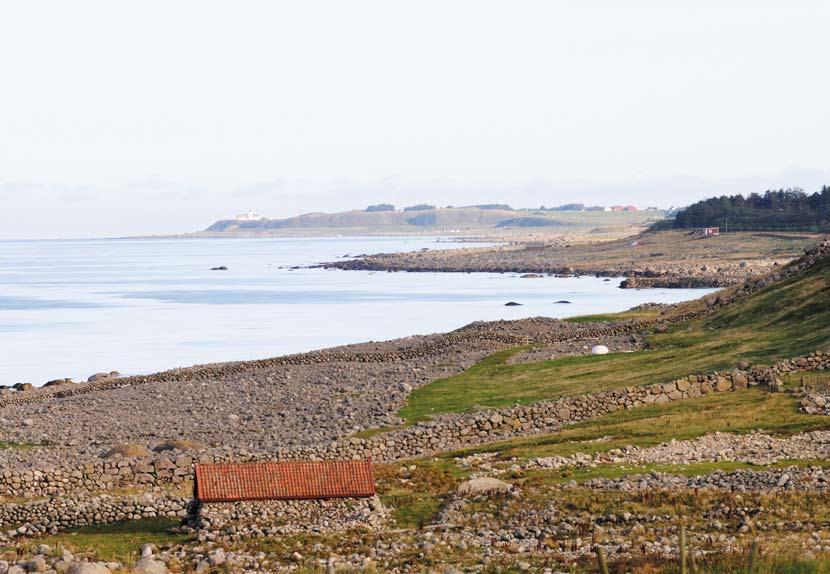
x=153 y=117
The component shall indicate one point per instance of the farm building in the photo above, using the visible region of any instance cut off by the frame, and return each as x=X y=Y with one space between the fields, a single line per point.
x=708 y=231
x=303 y=480
x=285 y=497
x=535 y=246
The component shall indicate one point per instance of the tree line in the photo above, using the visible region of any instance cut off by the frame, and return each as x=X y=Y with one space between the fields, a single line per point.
x=789 y=209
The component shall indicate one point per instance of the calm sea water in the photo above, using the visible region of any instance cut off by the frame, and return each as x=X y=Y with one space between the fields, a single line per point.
x=73 y=308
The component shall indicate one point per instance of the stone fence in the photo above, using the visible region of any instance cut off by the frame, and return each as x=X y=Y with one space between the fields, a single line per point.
x=71 y=504
x=56 y=514
x=228 y=520
x=441 y=434
x=232 y=521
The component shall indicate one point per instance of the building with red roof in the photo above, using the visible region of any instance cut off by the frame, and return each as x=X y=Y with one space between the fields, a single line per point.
x=294 y=480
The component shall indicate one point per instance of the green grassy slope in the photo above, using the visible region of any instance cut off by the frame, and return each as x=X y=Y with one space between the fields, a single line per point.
x=785 y=320
x=648 y=426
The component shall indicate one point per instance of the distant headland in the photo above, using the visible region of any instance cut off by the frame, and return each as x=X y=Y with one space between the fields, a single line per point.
x=492 y=219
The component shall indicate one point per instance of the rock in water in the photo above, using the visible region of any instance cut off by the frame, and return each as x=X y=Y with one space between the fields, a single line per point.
x=562 y=302
x=512 y=304
x=220 y=268
x=599 y=350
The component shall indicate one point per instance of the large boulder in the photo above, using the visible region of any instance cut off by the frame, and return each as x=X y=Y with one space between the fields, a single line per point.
x=149 y=565
x=128 y=450
x=484 y=485
x=88 y=568
x=36 y=564
x=58 y=382
x=179 y=444
x=599 y=350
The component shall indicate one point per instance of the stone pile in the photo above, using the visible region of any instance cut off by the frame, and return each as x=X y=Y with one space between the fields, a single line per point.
x=815 y=403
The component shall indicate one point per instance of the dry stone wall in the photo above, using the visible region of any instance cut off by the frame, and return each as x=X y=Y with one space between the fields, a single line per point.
x=444 y=433
x=71 y=504
x=55 y=514
x=251 y=519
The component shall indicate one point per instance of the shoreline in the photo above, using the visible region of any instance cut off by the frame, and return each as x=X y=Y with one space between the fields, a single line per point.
x=59 y=385
x=633 y=279
x=667 y=259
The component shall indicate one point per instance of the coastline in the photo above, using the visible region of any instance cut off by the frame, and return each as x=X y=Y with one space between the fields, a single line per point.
x=667 y=259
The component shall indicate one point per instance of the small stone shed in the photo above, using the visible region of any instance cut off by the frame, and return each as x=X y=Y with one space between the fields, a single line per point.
x=279 y=497
x=302 y=480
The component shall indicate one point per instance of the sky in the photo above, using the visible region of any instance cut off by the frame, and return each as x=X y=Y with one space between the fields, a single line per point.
x=150 y=117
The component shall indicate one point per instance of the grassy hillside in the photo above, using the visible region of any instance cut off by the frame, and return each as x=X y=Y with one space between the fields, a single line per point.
x=648 y=426
x=787 y=319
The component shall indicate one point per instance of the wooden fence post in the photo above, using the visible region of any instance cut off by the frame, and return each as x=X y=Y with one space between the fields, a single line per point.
x=753 y=555
x=603 y=566
x=682 y=537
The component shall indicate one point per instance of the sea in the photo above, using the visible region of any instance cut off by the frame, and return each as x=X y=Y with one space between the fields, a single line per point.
x=77 y=307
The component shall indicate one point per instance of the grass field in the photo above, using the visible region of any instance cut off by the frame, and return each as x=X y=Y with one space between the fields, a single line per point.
x=788 y=319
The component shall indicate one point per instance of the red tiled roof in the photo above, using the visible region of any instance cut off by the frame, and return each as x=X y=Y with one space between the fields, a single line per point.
x=284 y=480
